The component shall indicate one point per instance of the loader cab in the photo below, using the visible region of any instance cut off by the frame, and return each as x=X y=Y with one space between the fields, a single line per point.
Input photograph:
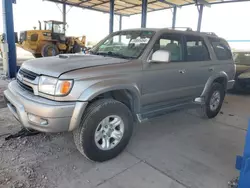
x=57 y=30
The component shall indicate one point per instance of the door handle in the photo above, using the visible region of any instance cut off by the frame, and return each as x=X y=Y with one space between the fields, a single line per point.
x=182 y=71
x=210 y=69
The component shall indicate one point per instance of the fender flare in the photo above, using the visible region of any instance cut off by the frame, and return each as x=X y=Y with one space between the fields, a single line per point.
x=211 y=80
x=111 y=85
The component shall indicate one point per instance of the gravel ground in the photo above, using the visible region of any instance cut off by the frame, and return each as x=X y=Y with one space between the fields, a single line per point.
x=22 y=159
x=169 y=152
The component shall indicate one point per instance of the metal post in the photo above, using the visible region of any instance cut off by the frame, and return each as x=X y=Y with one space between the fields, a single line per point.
x=120 y=23
x=111 y=16
x=144 y=13
x=200 y=17
x=64 y=17
x=174 y=17
x=120 y=27
x=8 y=27
x=243 y=163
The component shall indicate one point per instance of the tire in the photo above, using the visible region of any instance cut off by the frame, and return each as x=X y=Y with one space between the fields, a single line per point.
x=207 y=111
x=76 y=48
x=84 y=135
x=49 y=50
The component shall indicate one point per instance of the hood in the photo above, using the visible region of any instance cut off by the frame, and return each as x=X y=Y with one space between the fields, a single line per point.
x=57 y=65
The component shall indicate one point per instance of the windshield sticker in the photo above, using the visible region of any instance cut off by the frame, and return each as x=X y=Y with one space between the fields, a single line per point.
x=140 y=41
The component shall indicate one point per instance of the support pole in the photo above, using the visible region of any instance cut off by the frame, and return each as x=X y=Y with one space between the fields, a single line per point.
x=64 y=17
x=120 y=22
x=111 y=16
x=120 y=27
x=8 y=28
x=174 y=17
x=200 y=17
x=243 y=163
x=144 y=13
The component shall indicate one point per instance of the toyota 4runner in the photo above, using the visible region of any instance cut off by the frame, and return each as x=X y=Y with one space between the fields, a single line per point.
x=131 y=75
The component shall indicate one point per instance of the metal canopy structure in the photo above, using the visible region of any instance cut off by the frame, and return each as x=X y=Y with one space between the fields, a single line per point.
x=131 y=7
x=119 y=7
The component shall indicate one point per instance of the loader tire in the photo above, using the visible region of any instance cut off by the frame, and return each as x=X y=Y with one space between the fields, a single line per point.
x=76 y=48
x=49 y=50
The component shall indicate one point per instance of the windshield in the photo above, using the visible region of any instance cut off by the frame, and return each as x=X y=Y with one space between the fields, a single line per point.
x=125 y=44
x=242 y=58
x=56 y=27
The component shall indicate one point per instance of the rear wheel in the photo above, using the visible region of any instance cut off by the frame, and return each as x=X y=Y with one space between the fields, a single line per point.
x=213 y=101
x=49 y=50
x=105 y=130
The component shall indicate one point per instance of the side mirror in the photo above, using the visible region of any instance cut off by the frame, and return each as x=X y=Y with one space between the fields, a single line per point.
x=161 y=56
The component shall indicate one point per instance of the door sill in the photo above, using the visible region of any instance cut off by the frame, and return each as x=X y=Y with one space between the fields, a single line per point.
x=143 y=117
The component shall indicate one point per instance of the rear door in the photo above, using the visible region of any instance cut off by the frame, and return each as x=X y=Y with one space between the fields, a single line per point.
x=198 y=64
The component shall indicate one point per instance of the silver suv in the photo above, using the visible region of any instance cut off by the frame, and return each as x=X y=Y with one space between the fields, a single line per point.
x=131 y=75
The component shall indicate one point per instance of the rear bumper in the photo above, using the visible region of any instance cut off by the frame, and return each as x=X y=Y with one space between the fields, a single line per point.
x=42 y=114
x=230 y=84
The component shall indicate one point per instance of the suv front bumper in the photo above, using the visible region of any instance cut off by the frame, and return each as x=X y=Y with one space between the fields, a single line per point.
x=42 y=114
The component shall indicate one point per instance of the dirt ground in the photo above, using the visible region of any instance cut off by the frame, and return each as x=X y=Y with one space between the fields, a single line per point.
x=178 y=150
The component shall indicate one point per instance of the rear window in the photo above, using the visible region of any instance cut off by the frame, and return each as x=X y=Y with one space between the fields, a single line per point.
x=221 y=49
x=196 y=49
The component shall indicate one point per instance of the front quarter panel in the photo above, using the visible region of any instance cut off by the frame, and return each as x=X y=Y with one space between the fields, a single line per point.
x=93 y=81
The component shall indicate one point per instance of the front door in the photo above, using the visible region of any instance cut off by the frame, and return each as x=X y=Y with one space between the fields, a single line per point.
x=164 y=82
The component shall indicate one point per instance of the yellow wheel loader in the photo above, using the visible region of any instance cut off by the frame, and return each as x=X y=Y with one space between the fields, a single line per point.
x=50 y=41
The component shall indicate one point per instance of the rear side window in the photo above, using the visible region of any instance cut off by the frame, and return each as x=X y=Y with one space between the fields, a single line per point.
x=196 y=49
x=221 y=49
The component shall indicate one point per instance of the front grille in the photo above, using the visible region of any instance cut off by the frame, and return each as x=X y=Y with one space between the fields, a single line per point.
x=24 y=86
x=28 y=74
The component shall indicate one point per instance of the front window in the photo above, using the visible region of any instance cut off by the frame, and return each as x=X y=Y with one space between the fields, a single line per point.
x=55 y=27
x=48 y=26
x=125 y=44
x=58 y=28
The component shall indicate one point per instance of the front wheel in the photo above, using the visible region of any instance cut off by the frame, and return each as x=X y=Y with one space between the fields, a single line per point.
x=49 y=50
x=105 y=130
x=213 y=101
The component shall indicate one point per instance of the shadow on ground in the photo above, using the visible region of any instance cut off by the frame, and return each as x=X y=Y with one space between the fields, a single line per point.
x=175 y=151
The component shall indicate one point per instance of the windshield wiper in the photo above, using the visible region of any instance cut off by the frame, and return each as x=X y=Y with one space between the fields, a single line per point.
x=112 y=54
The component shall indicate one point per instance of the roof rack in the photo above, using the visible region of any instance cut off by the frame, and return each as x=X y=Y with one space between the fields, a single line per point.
x=181 y=28
x=209 y=33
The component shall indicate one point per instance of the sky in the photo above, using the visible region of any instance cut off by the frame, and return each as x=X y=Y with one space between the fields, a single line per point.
x=229 y=21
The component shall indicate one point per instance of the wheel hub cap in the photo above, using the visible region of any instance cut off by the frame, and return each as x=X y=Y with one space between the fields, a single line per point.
x=215 y=100
x=109 y=132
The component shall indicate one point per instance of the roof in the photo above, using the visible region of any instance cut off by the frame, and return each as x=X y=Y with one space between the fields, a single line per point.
x=188 y=31
x=131 y=7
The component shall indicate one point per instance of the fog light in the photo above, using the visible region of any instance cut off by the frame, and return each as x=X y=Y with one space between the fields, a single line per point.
x=37 y=120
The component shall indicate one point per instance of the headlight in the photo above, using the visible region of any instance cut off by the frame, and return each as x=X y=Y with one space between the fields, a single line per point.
x=53 y=86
